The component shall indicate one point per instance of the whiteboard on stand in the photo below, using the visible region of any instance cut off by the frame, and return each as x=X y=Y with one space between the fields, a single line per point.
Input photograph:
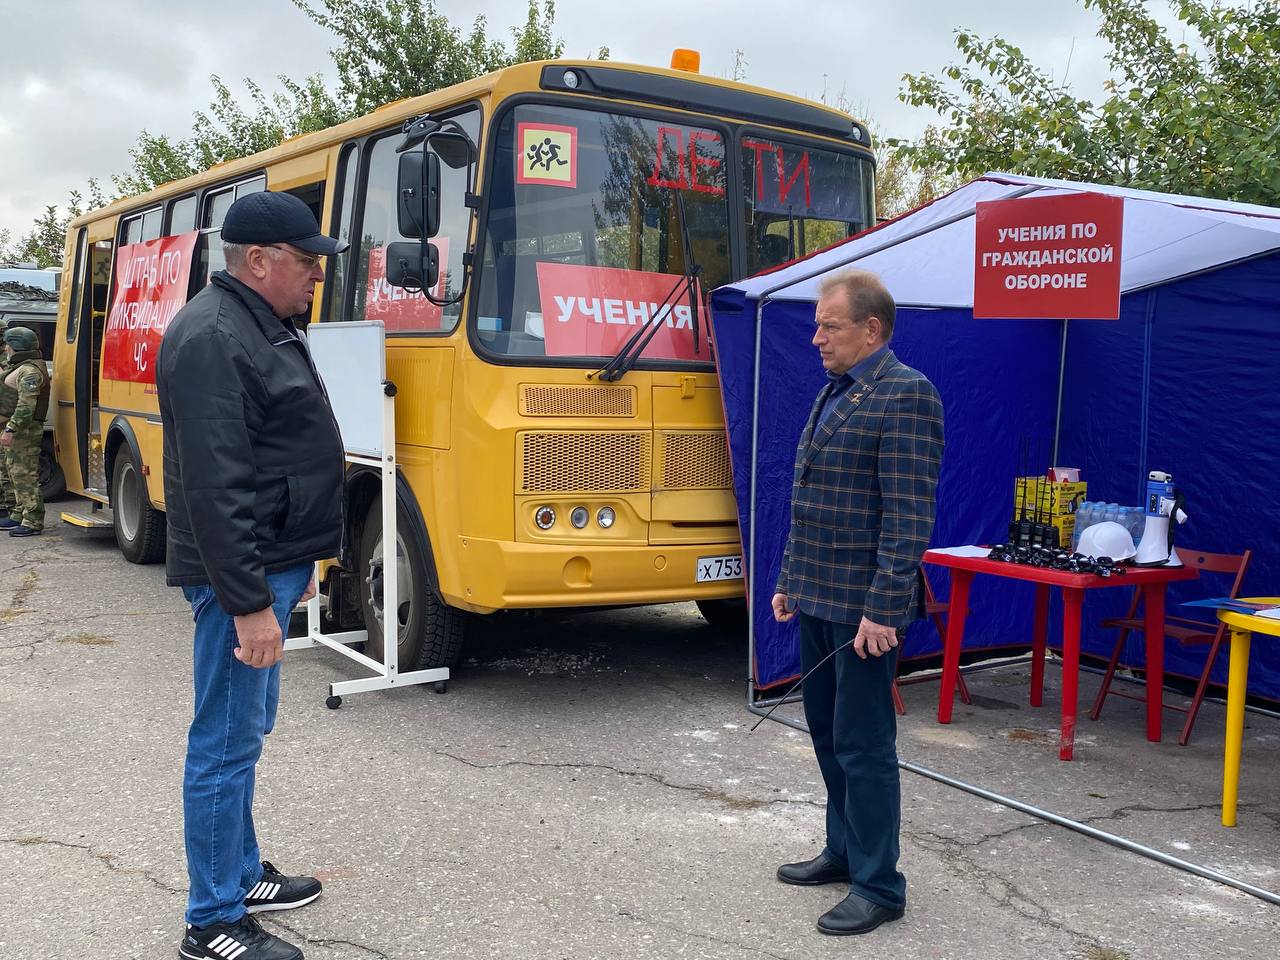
x=351 y=358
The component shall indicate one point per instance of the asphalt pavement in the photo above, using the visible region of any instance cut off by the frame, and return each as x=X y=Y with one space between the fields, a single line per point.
x=587 y=788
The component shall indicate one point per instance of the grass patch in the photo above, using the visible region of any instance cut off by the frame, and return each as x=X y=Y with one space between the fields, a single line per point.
x=28 y=584
x=1023 y=735
x=87 y=640
x=733 y=803
x=1105 y=953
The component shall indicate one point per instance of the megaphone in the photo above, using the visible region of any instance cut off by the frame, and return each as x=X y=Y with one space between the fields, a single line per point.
x=1164 y=512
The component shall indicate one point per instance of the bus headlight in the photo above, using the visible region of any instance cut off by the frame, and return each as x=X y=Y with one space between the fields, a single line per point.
x=579 y=517
x=606 y=517
x=544 y=517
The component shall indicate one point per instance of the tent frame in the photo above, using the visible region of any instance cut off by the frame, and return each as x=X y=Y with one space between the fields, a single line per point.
x=760 y=707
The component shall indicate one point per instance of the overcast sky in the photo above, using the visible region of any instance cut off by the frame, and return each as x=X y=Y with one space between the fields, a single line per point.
x=80 y=78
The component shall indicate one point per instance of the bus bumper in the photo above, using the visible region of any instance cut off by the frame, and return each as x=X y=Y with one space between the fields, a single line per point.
x=503 y=575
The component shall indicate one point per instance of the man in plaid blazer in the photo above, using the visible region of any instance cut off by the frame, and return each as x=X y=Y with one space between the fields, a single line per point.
x=862 y=510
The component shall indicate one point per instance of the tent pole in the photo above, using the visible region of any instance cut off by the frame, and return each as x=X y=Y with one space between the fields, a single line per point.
x=1062 y=377
x=964 y=215
x=755 y=417
x=1147 y=323
x=751 y=515
x=1092 y=832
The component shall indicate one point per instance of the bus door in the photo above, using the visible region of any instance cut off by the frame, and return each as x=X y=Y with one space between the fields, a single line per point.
x=93 y=317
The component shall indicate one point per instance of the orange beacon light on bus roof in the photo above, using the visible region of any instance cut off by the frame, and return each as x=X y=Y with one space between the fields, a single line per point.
x=686 y=60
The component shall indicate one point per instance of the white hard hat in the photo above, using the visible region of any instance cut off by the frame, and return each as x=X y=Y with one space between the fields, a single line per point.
x=1107 y=539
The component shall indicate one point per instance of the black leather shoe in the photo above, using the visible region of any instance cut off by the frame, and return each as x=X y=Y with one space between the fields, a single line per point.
x=813 y=873
x=855 y=914
x=24 y=531
x=7 y=523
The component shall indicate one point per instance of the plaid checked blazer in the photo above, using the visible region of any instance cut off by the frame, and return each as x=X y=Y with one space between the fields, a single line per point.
x=862 y=501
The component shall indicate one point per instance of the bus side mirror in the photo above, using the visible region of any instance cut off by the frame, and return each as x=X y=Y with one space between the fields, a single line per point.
x=418 y=188
x=413 y=264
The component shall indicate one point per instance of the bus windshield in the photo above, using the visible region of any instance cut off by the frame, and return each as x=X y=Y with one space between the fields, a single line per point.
x=799 y=198
x=584 y=239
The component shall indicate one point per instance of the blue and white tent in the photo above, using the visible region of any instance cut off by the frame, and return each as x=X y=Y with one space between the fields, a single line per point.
x=1184 y=381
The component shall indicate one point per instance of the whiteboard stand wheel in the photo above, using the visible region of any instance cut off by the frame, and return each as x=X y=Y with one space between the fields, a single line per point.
x=441 y=686
x=333 y=702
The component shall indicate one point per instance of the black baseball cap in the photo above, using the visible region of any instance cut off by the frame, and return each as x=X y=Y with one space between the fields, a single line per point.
x=266 y=217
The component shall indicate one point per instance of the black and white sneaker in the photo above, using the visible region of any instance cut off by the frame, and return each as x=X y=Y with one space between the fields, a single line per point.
x=275 y=891
x=243 y=940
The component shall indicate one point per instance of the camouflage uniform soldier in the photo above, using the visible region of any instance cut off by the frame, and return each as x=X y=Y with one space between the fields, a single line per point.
x=24 y=432
x=8 y=402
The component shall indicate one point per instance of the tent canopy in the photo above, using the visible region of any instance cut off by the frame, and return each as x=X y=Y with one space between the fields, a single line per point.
x=1182 y=381
x=926 y=256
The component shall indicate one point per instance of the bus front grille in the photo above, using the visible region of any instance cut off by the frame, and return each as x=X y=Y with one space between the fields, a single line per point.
x=588 y=462
x=693 y=460
x=551 y=400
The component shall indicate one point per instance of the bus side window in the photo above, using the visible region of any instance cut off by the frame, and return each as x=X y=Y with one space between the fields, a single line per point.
x=77 y=286
x=99 y=299
x=312 y=194
x=182 y=216
x=343 y=216
x=213 y=211
x=144 y=226
x=373 y=298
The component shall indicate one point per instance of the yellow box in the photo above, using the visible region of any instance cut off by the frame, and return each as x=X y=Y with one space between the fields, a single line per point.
x=1050 y=499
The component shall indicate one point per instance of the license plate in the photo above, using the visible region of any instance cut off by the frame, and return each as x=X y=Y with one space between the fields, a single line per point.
x=720 y=568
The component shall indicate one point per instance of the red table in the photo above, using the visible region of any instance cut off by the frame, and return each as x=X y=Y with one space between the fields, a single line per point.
x=1152 y=581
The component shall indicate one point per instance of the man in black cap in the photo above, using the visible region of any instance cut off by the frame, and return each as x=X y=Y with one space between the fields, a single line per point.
x=253 y=468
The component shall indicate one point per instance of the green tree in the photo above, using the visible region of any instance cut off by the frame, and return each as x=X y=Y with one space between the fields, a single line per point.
x=387 y=50
x=1198 y=118
x=900 y=185
x=392 y=49
x=43 y=245
x=228 y=130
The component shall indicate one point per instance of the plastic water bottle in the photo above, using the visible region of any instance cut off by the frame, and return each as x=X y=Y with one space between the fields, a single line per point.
x=1084 y=518
x=1137 y=522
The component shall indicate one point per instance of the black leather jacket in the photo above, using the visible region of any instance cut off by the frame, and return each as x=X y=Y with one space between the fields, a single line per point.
x=253 y=462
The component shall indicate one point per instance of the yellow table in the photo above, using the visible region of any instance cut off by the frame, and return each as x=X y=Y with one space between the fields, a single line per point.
x=1242 y=627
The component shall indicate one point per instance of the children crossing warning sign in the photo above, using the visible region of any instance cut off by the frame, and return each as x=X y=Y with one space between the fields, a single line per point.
x=548 y=154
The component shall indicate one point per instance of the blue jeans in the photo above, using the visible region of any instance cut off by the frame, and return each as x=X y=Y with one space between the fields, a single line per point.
x=235 y=708
x=848 y=704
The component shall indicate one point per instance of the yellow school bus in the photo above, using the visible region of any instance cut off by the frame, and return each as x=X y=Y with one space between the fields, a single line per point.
x=560 y=434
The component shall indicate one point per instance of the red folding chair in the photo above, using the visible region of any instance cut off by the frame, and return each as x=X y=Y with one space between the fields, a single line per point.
x=1185 y=631
x=935 y=609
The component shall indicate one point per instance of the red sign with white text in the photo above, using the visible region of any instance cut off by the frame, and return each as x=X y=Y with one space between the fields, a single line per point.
x=398 y=308
x=592 y=311
x=152 y=280
x=1048 y=257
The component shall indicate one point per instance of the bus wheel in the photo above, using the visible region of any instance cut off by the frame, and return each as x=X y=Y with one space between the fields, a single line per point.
x=430 y=633
x=140 y=527
x=49 y=475
x=728 y=616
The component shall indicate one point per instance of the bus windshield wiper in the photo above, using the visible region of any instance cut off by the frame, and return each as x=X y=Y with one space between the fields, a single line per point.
x=692 y=269
x=626 y=358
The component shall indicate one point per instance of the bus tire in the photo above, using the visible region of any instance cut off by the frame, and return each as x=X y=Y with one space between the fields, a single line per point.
x=49 y=475
x=430 y=632
x=728 y=615
x=140 y=527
